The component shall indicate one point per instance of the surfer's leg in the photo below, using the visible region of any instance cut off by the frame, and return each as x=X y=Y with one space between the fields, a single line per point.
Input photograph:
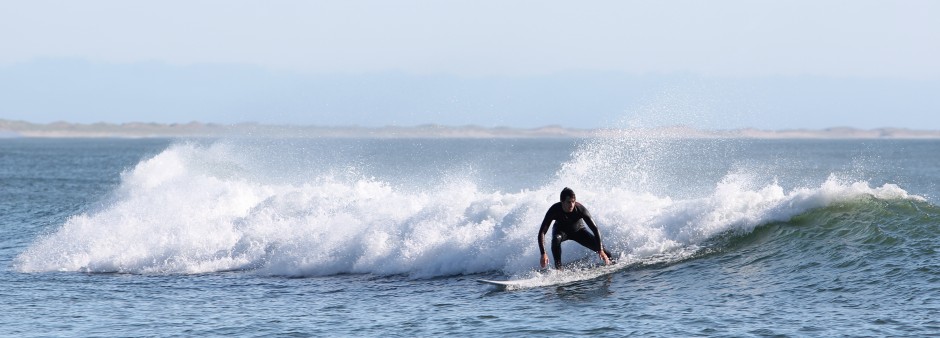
x=557 y=238
x=587 y=239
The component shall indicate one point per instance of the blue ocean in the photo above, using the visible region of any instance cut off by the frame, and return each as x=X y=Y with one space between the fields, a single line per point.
x=365 y=237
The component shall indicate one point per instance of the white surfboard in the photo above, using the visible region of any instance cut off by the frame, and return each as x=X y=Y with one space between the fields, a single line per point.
x=505 y=284
x=556 y=277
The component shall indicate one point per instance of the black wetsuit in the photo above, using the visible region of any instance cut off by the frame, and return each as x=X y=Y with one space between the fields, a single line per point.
x=569 y=226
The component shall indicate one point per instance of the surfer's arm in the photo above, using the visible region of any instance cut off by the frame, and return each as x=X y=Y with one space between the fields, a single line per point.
x=543 y=260
x=597 y=234
x=542 y=230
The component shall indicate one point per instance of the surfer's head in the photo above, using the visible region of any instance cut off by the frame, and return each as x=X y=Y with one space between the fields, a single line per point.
x=565 y=193
x=568 y=199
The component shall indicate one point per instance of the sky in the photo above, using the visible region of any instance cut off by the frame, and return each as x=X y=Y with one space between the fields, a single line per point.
x=525 y=64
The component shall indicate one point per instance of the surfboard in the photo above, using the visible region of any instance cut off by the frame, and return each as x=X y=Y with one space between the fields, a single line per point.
x=556 y=277
x=505 y=284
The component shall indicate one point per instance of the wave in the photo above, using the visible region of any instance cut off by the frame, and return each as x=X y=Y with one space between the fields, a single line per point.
x=883 y=248
x=198 y=208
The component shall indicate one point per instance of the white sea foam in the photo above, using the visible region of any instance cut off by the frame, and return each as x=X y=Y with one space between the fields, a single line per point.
x=196 y=208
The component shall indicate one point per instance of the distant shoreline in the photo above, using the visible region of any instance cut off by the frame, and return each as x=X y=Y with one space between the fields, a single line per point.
x=21 y=129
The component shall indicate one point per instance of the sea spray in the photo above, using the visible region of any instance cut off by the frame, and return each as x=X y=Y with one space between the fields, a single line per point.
x=222 y=206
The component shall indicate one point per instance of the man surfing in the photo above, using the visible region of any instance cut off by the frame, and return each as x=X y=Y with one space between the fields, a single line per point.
x=569 y=217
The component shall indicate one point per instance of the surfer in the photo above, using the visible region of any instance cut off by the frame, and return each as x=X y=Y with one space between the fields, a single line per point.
x=569 y=217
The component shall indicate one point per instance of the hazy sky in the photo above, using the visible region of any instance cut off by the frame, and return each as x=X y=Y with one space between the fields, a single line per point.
x=711 y=64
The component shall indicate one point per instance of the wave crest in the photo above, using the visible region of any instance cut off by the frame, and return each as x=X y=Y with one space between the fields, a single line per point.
x=197 y=209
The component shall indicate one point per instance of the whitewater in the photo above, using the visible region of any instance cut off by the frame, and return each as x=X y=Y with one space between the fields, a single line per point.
x=197 y=208
x=419 y=220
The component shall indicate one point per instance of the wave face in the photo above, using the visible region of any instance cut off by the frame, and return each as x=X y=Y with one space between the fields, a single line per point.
x=434 y=208
x=858 y=253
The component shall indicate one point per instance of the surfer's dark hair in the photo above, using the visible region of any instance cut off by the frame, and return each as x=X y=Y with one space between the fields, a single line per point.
x=565 y=193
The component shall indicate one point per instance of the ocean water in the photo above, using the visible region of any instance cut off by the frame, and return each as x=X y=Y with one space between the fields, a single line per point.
x=387 y=237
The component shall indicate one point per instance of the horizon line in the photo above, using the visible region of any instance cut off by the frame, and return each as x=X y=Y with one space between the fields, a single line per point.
x=197 y=129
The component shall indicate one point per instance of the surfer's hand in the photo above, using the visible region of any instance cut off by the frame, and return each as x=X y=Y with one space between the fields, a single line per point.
x=544 y=260
x=604 y=257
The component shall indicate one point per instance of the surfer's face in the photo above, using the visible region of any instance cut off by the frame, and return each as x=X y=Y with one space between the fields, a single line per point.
x=568 y=204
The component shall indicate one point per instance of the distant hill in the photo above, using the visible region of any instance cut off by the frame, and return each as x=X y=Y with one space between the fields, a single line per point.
x=10 y=129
